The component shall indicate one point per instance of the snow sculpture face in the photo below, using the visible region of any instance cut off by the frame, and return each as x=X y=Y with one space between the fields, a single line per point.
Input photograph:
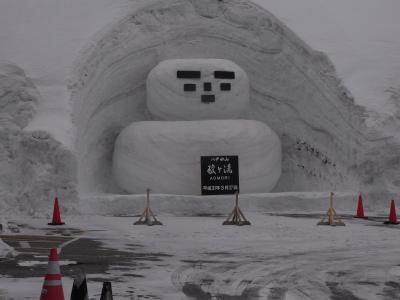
x=197 y=89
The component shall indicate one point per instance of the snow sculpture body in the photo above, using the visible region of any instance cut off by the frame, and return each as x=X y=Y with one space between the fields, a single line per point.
x=199 y=103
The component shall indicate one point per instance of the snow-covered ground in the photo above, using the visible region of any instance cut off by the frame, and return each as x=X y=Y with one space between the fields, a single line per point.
x=277 y=257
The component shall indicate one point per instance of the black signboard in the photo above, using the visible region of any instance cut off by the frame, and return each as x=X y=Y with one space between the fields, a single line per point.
x=219 y=175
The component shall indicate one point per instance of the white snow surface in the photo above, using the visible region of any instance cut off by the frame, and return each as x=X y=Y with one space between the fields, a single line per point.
x=166 y=99
x=165 y=156
x=283 y=256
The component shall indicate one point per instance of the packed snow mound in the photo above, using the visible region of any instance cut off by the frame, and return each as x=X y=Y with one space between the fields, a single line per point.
x=165 y=156
x=173 y=94
x=293 y=89
x=33 y=165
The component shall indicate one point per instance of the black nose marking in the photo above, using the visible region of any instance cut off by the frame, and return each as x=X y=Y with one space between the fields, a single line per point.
x=207 y=86
x=225 y=86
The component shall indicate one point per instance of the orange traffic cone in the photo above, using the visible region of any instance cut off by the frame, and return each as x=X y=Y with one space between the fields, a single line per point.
x=360 y=208
x=392 y=214
x=56 y=214
x=52 y=286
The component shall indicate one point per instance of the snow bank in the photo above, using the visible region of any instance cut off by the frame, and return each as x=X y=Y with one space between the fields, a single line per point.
x=34 y=166
x=294 y=90
x=189 y=205
x=165 y=156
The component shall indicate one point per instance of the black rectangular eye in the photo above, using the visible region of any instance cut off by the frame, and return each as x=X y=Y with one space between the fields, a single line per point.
x=188 y=74
x=189 y=87
x=207 y=98
x=225 y=86
x=224 y=75
x=207 y=86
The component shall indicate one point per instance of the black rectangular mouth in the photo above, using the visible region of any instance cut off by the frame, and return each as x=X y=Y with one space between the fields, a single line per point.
x=188 y=74
x=207 y=98
x=224 y=75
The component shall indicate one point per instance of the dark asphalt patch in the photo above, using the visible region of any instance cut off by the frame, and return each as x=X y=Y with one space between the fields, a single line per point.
x=391 y=290
x=91 y=256
x=196 y=292
x=277 y=293
x=367 y=283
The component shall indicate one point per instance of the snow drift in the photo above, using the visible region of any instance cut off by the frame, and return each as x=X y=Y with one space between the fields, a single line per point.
x=293 y=89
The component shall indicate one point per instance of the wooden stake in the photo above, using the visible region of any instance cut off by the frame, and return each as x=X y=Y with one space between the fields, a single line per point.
x=331 y=218
x=236 y=217
x=147 y=217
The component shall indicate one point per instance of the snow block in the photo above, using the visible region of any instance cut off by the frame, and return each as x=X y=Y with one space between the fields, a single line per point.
x=197 y=89
x=165 y=156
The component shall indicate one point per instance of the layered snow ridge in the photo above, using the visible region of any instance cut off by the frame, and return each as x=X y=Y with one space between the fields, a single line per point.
x=293 y=89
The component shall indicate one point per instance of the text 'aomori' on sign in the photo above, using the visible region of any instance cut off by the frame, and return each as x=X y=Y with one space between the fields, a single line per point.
x=219 y=175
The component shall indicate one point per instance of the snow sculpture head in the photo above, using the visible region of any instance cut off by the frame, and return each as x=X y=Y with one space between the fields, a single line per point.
x=197 y=89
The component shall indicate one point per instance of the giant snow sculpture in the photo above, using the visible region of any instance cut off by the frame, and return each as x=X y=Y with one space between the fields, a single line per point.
x=199 y=102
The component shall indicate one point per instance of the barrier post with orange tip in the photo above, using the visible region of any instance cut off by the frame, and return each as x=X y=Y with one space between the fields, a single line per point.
x=331 y=217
